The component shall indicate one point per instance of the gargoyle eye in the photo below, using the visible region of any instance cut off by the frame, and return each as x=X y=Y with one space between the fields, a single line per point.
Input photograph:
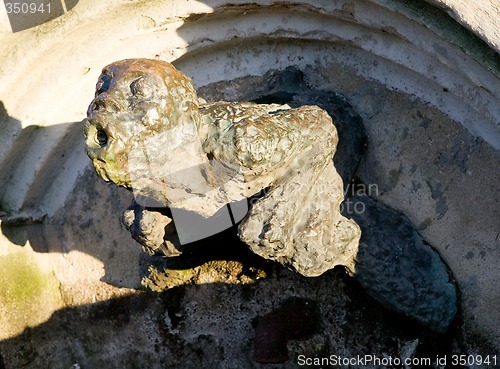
x=140 y=88
x=103 y=84
x=101 y=137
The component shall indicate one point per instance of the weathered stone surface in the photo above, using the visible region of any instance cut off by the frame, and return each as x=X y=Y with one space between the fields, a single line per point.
x=296 y=225
x=395 y=266
x=276 y=87
x=378 y=275
x=480 y=18
x=294 y=320
x=398 y=268
x=64 y=56
x=290 y=87
x=146 y=132
x=222 y=258
x=213 y=326
x=154 y=230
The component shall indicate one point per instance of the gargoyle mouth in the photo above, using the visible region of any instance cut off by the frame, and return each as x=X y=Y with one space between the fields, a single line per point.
x=99 y=166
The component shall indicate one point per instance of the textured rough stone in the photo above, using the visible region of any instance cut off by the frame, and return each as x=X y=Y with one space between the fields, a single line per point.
x=64 y=57
x=146 y=132
x=289 y=87
x=268 y=150
x=152 y=229
x=213 y=326
x=405 y=279
x=276 y=87
x=294 y=320
x=222 y=258
x=398 y=268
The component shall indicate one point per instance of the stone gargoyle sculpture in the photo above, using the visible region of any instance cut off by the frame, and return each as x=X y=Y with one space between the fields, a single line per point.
x=147 y=131
x=189 y=163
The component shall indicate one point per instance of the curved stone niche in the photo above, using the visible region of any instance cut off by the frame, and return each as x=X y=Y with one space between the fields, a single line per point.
x=426 y=89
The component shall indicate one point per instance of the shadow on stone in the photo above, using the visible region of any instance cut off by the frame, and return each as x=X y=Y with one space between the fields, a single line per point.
x=295 y=319
x=34 y=161
x=210 y=326
x=398 y=268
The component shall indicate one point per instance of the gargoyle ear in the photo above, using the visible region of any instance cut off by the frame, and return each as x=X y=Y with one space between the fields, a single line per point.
x=141 y=88
x=103 y=83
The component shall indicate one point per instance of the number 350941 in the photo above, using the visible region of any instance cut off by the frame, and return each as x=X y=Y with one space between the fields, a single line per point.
x=27 y=8
x=471 y=360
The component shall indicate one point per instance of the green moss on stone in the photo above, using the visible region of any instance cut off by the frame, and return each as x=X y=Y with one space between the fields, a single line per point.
x=28 y=294
x=21 y=279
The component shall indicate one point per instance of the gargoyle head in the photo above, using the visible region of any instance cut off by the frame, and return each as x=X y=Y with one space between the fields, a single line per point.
x=135 y=101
